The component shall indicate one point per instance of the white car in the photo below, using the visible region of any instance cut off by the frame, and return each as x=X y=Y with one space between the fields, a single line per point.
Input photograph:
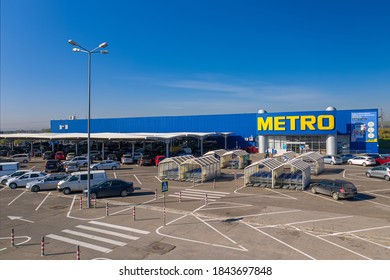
x=362 y=160
x=80 y=160
x=22 y=180
x=17 y=173
x=21 y=158
x=105 y=164
x=127 y=158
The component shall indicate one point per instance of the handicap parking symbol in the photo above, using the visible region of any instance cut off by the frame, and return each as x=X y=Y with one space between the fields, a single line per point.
x=164 y=186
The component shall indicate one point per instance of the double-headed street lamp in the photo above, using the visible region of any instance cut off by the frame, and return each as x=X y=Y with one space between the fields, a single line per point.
x=95 y=50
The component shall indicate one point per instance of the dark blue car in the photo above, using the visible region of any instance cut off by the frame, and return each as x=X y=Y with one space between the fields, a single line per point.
x=111 y=187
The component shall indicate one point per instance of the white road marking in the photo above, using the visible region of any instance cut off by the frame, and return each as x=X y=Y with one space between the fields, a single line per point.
x=193 y=197
x=157 y=178
x=40 y=204
x=307 y=221
x=323 y=197
x=108 y=232
x=17 y=197
x=369 y=241
x=353 y=231
x=135 y=176
x=80 y=243
x=373 y=202
x=278 y=240
x=381 y=195
x=94 y=237
x=204 y=191
x=120 y=227
x=283 y=194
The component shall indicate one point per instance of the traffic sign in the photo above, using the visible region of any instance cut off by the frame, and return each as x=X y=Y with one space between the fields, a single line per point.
x=164 y=186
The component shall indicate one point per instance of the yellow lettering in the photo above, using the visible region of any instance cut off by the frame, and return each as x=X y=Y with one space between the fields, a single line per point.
x=321 y=125
x=293 y=120
x=264 y=125
x=308 y=122
x=279 y=123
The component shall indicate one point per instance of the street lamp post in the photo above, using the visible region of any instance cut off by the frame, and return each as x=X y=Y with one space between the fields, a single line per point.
x=98 y=49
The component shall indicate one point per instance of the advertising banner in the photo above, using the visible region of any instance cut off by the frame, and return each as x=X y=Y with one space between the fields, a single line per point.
x=364 y=127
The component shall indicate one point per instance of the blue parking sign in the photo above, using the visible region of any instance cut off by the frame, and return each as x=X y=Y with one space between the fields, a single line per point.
x=164 y=186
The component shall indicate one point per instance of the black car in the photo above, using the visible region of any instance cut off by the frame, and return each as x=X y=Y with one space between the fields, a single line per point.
x=54 y=165
x=335 y=188
x=111 y=187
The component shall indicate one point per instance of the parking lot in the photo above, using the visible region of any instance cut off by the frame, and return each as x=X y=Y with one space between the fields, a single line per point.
x=221 y=220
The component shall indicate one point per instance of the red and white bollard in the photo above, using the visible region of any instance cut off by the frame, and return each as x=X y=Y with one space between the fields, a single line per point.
x=165 y=216
x=78 y=253
x=179 y=196
x=134 y=213
x=81 y=202
x=205 y=199
x=193 y=183
x=155 y=195
x=43 y=246
x=94 y=203
x=107 y=209
x=12 y=237
x=214 y=184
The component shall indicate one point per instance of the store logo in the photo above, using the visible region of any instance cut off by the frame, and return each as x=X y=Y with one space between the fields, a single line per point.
x=63 y=126
x=294 y=123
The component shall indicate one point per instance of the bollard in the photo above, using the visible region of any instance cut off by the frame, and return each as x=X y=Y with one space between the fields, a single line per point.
x=214 y=184
x=165 y=216
x=81 y=202
x=179 y=196
x=193 y=183
x=43 y=246
x=94 y=203
x=134 y=213
x=78 y=253
x=107 y=209
x=155 y=195
x=12 y=237
x=205 y=200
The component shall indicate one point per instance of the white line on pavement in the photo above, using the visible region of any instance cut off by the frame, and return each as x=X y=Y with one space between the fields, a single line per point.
x=16 y=198
x=40 y=204
x=135 y=176
x=108 y=232
x=94 y=237
x=80 y=243
x=120 y=227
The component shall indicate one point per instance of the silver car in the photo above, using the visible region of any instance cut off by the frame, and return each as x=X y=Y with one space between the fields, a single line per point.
x=48 y=183
x=333 y=159
x=380 y=172
x=362 y=160
x=22 y=180
x=105 y=164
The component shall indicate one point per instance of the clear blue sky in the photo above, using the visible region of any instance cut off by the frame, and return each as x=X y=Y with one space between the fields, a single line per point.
x=191 y=57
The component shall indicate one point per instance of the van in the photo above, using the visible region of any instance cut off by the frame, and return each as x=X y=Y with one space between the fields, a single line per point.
x=21 y=158
x=77 y=181
x=7 y=168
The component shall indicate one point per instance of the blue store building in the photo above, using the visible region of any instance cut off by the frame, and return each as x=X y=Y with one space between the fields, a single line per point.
x=329 y=132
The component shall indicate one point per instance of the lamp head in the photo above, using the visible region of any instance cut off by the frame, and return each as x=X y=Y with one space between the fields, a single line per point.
x=73 y=43
x=103 y=45
x=104 y=52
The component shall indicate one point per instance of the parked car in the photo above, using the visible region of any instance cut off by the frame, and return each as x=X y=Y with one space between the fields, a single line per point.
x=59 y=155
x=127 y=158
x=95 y=155
x=48 y=183
x=386 y=164
x=112 y=157
x=332 y=159
x=8 y=167
x=112 y=187
x=136 y=156
x=80 y=160
x=22 y=180
x=48 y=155
x=54 y=165
x=382 y=159
x=21 y=158
x=106 y=164
x=69 y=156
x=77 y=181
x=346 y=157
x=37 y=153
x=72 y=167
x=379 y=172
x=362 y=160
x=335 y=188
x=17 y=173
x=145 y=160
x=373 y=155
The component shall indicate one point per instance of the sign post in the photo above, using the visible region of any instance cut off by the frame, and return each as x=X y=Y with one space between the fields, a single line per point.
x=164 y=189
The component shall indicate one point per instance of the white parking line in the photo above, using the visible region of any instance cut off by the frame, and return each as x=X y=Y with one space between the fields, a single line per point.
x=135 y=176
x=307 y=221
x=369 y=241
x=271 y=190
x=16 y=198
x=120 y=227
x=94 y=237
x=385 y=196
x=36 y=209
x=353 y=231
x=376 y=203
x=323 y=197
x=157 y=178
x=80 y=243
x=108 y=232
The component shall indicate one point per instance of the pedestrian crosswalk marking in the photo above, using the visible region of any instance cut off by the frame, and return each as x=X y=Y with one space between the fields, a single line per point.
x=204 y=191
x=120 y=227
x=94 y=237
x=108 y=232
x=80 y=243
x=199 y=194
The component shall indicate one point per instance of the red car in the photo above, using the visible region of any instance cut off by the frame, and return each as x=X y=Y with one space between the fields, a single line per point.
x=59 y=155
x=382 y=160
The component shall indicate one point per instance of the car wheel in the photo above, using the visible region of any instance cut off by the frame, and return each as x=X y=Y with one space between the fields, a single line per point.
x=313 y=190
x=349 y=162
x=94 y=168
x=4 y=181
x=124 y=193
x=368 y=174
x=93 y=195
x=113 y=168
x=387 y=178
x=364 y=164
x=332 y=163
x=13 y=186
x=35 y=189
x=335 y=196
x=66 y=191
